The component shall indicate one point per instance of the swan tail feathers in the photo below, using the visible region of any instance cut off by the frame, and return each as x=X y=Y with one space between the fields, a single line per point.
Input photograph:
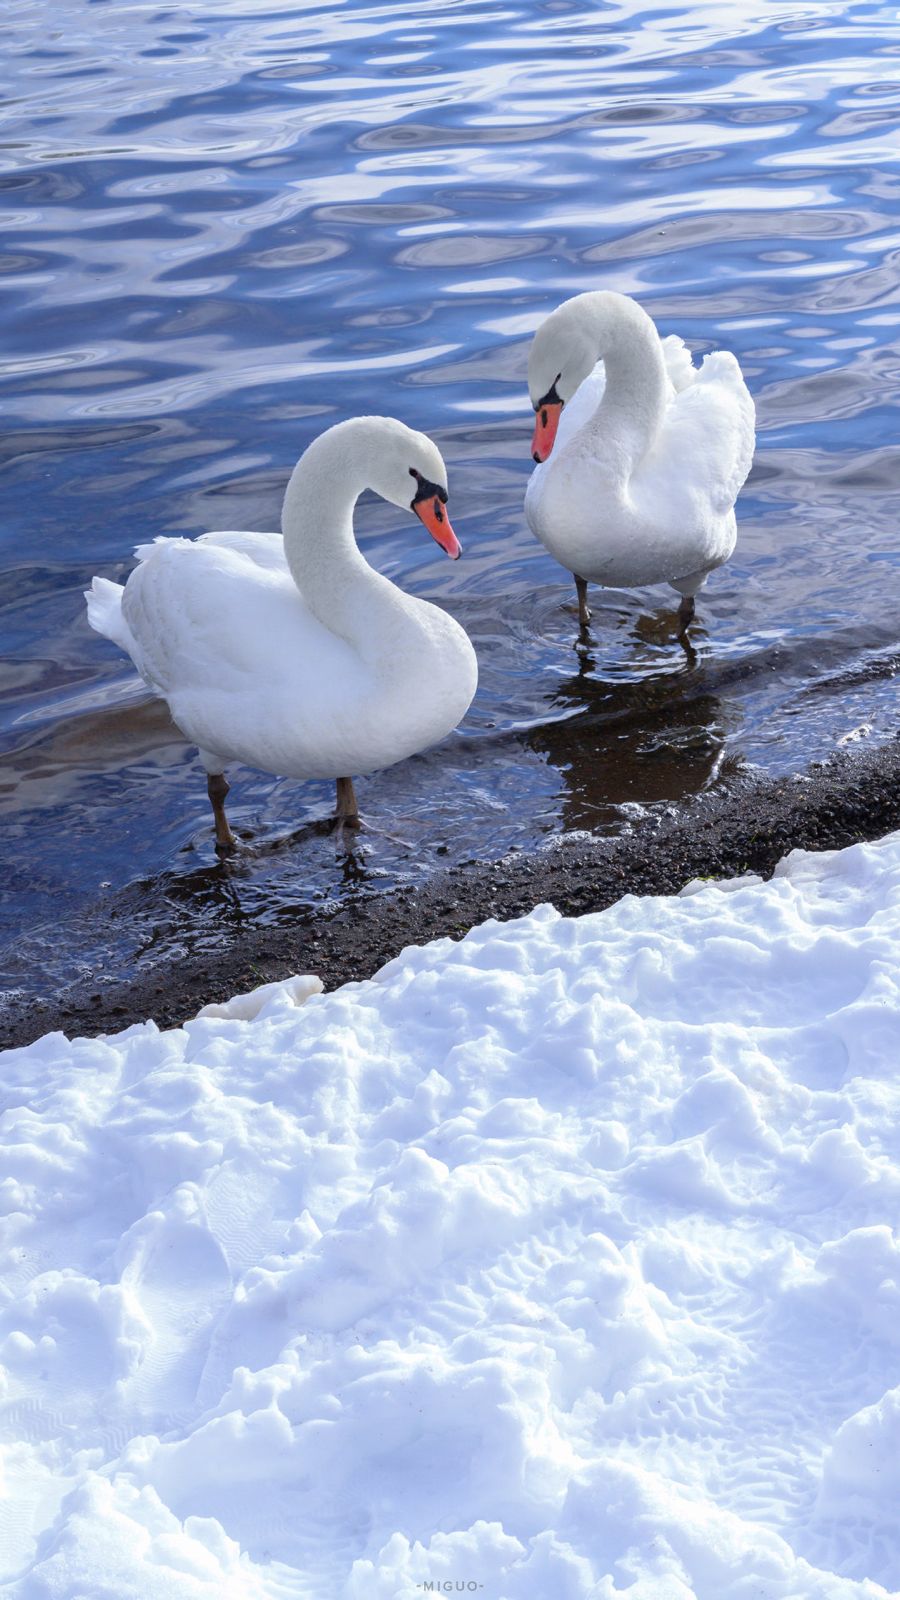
x=104 y=610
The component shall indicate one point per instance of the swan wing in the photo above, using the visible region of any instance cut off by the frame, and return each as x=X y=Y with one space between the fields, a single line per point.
x=264 y=550
x=709 y=435
x=151 y=607
x=680 y=369
x=208 y=614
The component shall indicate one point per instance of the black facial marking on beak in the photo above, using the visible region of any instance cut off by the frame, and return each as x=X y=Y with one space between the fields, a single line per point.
x=551 y=398
x=425 y=490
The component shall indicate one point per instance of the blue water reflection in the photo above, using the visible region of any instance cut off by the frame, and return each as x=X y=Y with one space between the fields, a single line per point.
x=223 y=230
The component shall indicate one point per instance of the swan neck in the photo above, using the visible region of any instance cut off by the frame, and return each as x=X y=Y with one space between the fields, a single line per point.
x=633 y=405
x=319 y=542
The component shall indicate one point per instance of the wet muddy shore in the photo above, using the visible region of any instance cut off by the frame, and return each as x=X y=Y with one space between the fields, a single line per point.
x=850 y=798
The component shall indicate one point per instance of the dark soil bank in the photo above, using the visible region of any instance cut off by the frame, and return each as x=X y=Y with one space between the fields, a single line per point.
x=851 y=798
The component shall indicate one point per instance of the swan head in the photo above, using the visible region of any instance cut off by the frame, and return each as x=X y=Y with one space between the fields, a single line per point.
x=559 y=360
x=407 y=469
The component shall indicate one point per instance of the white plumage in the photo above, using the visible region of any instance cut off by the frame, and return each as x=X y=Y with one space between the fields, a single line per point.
x=288 y=651
x=650 y=452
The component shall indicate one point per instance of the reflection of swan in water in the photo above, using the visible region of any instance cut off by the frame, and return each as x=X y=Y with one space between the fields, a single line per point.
x=46 y=769
x=229 y=893
x=658 y=738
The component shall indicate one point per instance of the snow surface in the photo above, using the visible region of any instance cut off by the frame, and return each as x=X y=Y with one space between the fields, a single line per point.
x=556 y=1262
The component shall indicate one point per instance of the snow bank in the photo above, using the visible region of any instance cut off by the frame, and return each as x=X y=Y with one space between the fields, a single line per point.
x=557 y=1263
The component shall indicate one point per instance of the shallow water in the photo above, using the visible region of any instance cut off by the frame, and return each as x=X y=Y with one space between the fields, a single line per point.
x=226 y=227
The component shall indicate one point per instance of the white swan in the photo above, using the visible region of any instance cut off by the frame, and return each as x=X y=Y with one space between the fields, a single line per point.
x=290 y=653
x=649 y=455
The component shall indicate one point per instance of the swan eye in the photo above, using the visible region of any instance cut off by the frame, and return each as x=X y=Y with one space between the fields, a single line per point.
x=425 y=490
x=551 y=398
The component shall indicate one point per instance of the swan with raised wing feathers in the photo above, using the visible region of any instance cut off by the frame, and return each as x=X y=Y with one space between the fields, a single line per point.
x=648 y=451
x=288 y=652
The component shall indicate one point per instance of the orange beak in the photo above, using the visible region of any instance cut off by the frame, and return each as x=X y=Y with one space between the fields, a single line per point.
x=546 y=423
x=433 y=514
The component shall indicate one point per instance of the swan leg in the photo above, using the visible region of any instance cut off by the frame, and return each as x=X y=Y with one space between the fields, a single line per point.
x=348 y=820
x=217 y=789
x=584 y=612
x=688 y=587
x=686 y=611
x=347 y=812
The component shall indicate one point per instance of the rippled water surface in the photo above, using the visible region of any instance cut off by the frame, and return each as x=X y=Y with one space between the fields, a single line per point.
x=227 y=226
